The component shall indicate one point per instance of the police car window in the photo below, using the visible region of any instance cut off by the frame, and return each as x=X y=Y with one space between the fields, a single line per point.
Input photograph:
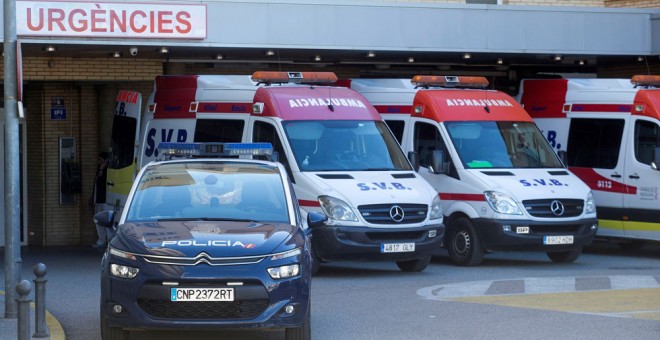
x=594 y=143
x=219 y=130
x=647 y=139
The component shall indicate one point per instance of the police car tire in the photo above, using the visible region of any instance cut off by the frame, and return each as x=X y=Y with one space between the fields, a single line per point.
x=112 y=333
x=304 y=332
x=471 y=253
x=316 y=262
x=416 y=265
x=565 y=256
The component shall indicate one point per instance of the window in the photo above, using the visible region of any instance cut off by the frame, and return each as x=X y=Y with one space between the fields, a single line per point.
x=397 y=127
x=594 y=143
x=647 y=138
x=122 y=142
x=266 y=133
x=219 y=130
x=427 y=138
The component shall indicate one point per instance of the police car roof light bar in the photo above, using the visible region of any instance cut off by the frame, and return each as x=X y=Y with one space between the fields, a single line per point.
x=269 y=77
x=171 y=150
x=645 y=80
x=449 y=81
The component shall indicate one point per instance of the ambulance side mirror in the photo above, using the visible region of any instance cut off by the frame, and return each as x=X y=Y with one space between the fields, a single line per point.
x=413 y=157
x=437 y=162
x=315 y=219
x=563 y=157
x=105 y=218
x=655 y=163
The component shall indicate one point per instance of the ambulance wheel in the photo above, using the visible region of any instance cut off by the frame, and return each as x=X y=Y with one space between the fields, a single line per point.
x=112 y=333
x=416 y=265
x=632 y=245
x=565 y=256
x=463 y=246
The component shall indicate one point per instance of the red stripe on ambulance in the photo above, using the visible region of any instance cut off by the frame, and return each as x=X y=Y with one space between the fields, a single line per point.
x=598 y=182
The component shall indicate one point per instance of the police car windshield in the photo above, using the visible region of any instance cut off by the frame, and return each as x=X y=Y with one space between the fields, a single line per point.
x=344 y=145
x=501 y=145
x=199 y=190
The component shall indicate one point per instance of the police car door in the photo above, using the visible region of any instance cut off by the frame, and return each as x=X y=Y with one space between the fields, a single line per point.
x=641 y=202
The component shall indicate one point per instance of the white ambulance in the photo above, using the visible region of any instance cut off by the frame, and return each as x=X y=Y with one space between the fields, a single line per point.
x=502 y=186
x=340 y=155
x=609 y=131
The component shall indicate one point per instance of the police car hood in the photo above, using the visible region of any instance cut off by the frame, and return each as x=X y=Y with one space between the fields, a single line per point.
x=527 y=184
x=373 y=187
x=216 y=238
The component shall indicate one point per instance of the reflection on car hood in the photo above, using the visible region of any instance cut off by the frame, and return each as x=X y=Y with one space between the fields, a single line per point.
x=216 y=238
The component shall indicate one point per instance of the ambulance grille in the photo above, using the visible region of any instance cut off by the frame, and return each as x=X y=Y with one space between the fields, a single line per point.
x=380 y=213
x=544 y=207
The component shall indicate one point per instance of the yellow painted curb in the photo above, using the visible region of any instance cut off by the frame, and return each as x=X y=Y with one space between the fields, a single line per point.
x=55 y=330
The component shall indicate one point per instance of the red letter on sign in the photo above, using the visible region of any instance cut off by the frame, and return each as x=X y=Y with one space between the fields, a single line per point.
x=55 y=16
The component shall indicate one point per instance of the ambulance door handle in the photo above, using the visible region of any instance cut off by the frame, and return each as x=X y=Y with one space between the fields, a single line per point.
x=110 y=184
x=634 y=176
x=615 y=175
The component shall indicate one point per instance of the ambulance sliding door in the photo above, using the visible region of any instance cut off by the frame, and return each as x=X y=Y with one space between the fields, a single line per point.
x=642 y=201
x=23 y=186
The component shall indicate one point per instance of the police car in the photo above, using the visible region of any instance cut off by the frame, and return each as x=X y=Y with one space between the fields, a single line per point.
x=208 y=243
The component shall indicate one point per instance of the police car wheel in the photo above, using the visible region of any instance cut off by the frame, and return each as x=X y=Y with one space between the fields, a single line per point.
x=304 y=332
x=112 y=333
x=463 y=246
x=565 y=256
x=316 y=262
x=416 y=265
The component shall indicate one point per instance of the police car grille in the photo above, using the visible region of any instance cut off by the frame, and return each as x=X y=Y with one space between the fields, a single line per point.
x=541 y=208
x=380 y=213
x=244 y=309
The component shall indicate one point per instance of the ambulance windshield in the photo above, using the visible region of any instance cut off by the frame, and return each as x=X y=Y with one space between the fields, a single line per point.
x=501 y=145
x=344 y=145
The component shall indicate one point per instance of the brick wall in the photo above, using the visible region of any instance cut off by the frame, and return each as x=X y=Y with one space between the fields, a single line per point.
x=633 y=3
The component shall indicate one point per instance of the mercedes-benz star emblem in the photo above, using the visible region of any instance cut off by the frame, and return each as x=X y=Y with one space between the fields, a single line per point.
x=396 y=213
x=557 y=208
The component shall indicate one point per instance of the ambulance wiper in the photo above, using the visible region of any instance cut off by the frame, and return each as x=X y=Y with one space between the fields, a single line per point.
x=380 y=169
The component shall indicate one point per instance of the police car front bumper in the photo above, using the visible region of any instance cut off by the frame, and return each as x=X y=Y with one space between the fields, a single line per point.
x=334 y=243
x=506 y=235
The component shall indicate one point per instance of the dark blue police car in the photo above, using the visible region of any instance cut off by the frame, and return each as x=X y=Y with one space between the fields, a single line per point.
x=208 y=244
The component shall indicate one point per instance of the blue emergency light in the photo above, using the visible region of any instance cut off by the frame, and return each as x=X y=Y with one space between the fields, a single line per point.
x=213 y=150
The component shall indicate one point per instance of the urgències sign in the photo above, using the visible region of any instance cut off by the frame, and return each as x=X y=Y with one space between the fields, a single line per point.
x=110 y=19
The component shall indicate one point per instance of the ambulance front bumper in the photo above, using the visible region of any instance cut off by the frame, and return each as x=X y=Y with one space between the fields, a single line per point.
x=334 y=243
x=528 y=235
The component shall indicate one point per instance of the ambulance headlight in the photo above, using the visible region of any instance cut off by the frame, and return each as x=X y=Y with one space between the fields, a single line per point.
x=502 y=203
x=436 y=208
x=589 y=204
x=337 y=209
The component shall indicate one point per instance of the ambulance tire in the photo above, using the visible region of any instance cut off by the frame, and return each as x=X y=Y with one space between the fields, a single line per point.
x=565 y=256
x=632 y=245
x=112 y=333
x=304 y=332
x=416 y=265
x=463 y=246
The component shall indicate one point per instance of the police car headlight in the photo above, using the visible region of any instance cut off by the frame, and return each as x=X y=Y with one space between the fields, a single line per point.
x=337 y=209
x=589 y=204
x=284 y=272
x=502 y=203
x=436 y=208
x=124 y=272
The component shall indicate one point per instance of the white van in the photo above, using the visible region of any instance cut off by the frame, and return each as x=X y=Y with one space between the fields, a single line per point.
x=609 y=130
x=340 y=155
x=502 y=186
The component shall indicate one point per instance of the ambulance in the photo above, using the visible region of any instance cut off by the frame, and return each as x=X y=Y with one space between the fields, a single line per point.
x=342 y=159
x=609 y=132
x=502 y=186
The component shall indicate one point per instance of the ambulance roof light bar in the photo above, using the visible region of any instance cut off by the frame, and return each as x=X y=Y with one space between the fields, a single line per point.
x=270 y=77
x=170 y=150
x=449 y=81
x=646 y=80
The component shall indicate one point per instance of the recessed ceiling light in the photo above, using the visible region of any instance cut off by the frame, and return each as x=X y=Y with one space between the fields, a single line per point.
x=50 y=48
x=558 y=57
x=467 y=56
x=371 y=54
x=164 y=50
x=219 y=56
x=317 y=58
x=270 y=52
x=500 y=61
x=411 y=59
x=117 y=54
x=640 y=58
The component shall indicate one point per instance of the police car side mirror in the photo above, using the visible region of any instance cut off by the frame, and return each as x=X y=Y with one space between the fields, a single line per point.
x=437 y=162
x=315 y=219
x=655 y=163
x=563 y=157
x=414 y=159
x=105 y=218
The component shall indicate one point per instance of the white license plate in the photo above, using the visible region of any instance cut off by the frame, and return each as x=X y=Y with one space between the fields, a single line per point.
x=202 y=294
x=558 y=239
x=397 y=247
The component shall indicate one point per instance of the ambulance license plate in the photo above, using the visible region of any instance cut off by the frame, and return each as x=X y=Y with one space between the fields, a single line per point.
x=567 y=239
x=202 y=294
x=397 y=247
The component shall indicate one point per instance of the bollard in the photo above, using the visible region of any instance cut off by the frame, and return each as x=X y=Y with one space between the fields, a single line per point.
x=23 y=289
x=40 y=328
